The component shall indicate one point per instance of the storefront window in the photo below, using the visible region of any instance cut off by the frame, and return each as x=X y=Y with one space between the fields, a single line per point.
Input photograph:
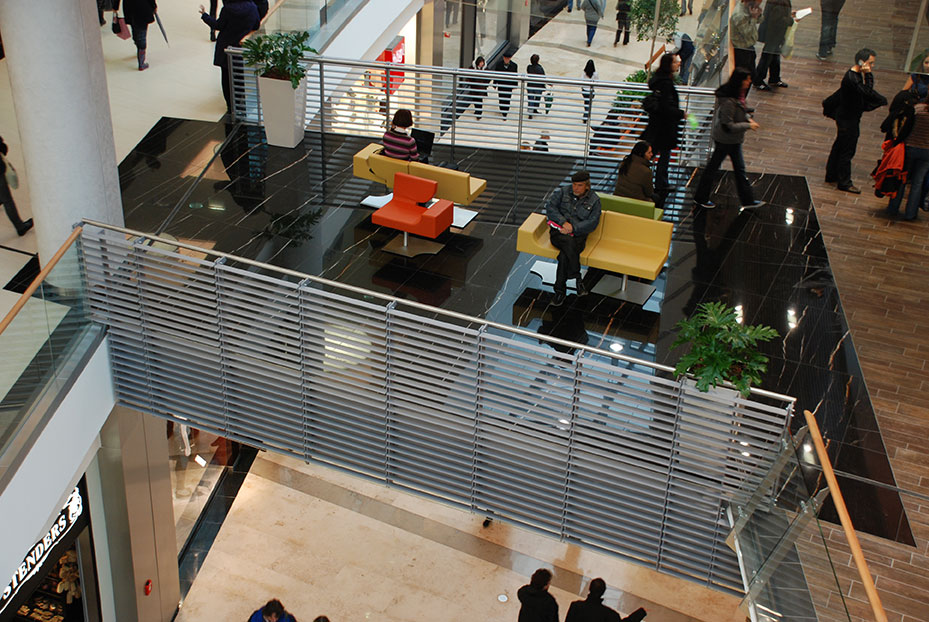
x=197 y=460
x=491 y=26
x=452 y=33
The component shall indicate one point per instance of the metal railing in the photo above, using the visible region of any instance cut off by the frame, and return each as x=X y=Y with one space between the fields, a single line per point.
x=359 y=98
x=43 y=340
x=594 y=447
x=787 y=558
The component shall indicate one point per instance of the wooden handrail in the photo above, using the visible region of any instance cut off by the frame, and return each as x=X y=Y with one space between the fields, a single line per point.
x=38 y=280
x=863 y=572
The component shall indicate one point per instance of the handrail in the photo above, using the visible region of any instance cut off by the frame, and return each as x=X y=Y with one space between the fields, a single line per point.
x=41 y=277
x=416 y=305
x=866 y=579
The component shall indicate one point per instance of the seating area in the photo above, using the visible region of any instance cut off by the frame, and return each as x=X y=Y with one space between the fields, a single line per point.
x=456 y=186
x=621 y=244
x=406 y=212
x=628 y=205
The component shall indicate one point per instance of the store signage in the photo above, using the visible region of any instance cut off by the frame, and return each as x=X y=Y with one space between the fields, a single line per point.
x=70 y=515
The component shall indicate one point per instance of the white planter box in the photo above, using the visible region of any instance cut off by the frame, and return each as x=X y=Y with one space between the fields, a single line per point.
x=282 y=109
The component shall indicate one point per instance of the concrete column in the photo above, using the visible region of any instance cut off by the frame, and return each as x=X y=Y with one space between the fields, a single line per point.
x=58 y=80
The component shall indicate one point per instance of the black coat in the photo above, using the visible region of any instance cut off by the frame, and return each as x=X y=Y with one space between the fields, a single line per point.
x=511 y=68
x=775 y=21
x=591 y=610
x=537 y=604
x=664 y=125
x=236 y=19
x=139 y=11
x=3 y=150
x=857 y=95
x=537 y=71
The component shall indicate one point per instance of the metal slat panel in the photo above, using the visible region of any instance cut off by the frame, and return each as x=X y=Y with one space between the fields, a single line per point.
x=617 y=457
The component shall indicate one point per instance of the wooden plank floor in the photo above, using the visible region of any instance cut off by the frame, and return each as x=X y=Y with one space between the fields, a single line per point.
x=881 y=268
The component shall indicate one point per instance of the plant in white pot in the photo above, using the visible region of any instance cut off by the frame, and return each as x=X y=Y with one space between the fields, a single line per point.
x=281 y=83
x=723 y=350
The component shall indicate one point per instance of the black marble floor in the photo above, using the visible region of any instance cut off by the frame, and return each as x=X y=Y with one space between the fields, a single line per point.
x=299 y=209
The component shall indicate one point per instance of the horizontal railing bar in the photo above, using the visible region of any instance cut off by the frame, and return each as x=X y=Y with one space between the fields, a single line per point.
x=26 y=295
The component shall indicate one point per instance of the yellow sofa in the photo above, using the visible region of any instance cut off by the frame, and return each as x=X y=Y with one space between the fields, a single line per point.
x=456 y=186
x=624 y=244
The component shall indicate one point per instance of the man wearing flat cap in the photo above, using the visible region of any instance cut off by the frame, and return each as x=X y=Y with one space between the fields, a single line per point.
x=573 y=214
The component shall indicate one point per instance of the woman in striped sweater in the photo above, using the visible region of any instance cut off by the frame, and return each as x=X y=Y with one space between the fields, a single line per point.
x=397 y=140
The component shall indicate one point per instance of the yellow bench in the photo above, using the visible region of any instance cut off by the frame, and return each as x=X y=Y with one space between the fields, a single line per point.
x=456 y=186
x=624 y=244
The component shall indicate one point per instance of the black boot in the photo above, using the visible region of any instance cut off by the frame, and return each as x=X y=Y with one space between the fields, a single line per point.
x=140 y=55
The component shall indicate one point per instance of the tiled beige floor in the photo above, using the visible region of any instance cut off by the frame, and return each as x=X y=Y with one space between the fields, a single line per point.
x=330 y=543
x=181 y=82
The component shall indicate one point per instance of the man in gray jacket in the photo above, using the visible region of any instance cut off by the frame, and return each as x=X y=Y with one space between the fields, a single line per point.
x=593 y=13
x=573 y=215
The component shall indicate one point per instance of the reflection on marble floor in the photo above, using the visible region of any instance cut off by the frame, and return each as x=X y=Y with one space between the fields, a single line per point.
x=300 y=209
x=195 y=470
x=328 y=543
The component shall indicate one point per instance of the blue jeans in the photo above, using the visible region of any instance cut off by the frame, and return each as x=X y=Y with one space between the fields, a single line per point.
x=591 y=29
x=720 y=152
x=916 y=165
x=570 y=2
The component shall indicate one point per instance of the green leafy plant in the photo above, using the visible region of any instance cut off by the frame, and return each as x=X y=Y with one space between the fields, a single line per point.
x=722 y=349
x=631 y=97
x=278 y=55
x=642 y=18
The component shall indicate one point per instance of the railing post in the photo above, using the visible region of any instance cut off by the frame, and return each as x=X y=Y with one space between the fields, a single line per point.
x=454 y=109
x=387 y=100
x=322 y=99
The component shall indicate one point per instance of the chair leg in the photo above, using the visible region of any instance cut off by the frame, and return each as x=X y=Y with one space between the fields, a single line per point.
x=625 y=278
x=405 y=237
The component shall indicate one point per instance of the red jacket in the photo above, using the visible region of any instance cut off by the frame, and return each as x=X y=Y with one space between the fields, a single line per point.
x=889 y=176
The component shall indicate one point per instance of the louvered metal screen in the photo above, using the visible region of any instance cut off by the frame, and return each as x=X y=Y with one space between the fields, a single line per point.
x=359 y=98
x=594 y=447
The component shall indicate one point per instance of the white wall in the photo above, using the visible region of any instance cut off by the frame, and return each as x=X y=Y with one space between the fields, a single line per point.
x=372 y=29
x=39 y=488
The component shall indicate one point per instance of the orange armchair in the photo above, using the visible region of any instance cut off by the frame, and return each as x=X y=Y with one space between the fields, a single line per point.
x=404 y=213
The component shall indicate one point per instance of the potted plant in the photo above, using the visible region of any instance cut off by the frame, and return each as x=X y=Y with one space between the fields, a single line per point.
x=281 y=83
x=723 y=350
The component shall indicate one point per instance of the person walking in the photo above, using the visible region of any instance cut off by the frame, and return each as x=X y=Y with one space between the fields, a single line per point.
x=273 y=611
x=535 y=88
x=139 y=14
x=856 y=96
x=916 y=159
x=776 y=19
x=587 y=91
x=476 y=88
x=536 y=604
x=6 y=196
x=622 y=21
x=730 y=122
x=573 y=215
x=664 y=121
x=505 y=86
x=829 y=27
x=593 y=13
x=743 y=32
x=236 y=19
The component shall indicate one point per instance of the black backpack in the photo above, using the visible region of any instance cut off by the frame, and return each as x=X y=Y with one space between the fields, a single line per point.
x=651 y=102
x=831 y=104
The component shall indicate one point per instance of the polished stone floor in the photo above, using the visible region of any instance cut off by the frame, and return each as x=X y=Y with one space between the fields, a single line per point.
x=299 y=209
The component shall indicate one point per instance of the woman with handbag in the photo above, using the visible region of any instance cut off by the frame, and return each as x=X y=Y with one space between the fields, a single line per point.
x=731 y=119
x=139 y=14
x=6 y=197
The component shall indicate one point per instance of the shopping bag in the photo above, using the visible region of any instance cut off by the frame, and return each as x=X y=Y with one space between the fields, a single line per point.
x=788 y=48
x=12 y=179
x=123 y=30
